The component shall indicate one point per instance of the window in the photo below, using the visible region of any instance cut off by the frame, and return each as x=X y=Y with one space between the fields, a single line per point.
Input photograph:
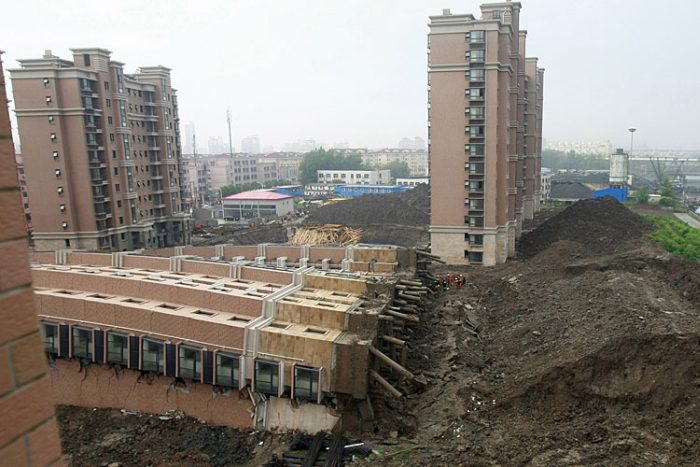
x=477 y=37
x=476 y=239
x=477 y=75
x=46 y=82
x=108 y=103
x=59 y=190
x=49 y=334
x=190 y=362
x=64 y=225
x=227 y=370
x=51 y=119
x=152 y=355
x=82 y=343
x=106 y=85
x=53 y=137
x=111 y=137
x=473 y=221
x=62 y=207
x=55 y=155
x=48 y=100
x=114 y=153
x=475 y=257
x=117 y=348
x=86 y=59
x=477 y=94
x=477 y=112
x=267 y=377
x=496 y=14
x=306 y=382
x=110 y=121
x=476 y=131
x=476 y=55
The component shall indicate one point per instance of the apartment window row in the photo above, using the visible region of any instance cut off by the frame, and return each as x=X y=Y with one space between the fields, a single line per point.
x=177 y=360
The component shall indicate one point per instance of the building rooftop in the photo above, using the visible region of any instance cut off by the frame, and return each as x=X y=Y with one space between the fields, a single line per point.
x=257 y=195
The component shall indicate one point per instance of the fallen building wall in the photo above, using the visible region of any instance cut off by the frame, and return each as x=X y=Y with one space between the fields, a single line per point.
x=109 y=387
x=310 y=418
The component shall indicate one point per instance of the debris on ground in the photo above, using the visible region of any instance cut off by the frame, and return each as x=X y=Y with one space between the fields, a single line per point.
x=588 y=353
x=327 y=234
x=394 y=218
x=103 y=437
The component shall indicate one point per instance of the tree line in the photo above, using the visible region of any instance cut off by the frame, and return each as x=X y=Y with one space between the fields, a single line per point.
x=328 y=159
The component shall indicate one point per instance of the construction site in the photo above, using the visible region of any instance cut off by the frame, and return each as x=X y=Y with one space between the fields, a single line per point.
x=583 y=350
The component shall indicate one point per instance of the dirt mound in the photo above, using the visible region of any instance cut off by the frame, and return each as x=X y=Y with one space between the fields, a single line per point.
x=601 y=225
x=409 y=208
x=649 y=372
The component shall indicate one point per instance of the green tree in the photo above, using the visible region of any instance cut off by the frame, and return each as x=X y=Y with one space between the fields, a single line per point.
x=572 y=160
x=399 y=169
x=322 y=159
x=668 y=195
x=643 y=195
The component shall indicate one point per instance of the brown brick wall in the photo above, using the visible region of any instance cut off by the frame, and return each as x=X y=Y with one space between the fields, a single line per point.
x=28 y=433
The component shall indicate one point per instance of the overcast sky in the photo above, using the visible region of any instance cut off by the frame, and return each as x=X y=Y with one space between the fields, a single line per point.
x=355 y=71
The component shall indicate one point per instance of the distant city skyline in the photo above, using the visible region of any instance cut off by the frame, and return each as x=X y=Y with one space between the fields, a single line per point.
x=308 y=79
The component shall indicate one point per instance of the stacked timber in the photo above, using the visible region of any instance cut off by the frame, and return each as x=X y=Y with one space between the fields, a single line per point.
x=326 y=234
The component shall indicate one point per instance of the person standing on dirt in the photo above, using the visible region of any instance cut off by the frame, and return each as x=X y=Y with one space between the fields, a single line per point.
x=458 y=282
x=449 y=279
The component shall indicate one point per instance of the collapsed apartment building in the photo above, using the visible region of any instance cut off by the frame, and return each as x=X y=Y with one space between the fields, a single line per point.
x=263 y=336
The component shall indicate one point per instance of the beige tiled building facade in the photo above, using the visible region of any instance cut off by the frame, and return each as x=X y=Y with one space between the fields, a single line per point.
x=485 y=129
x=101 y=153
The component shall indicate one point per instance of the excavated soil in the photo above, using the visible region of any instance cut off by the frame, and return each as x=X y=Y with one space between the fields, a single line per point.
x=108 y=437
x=588 y=353
x=396 y=219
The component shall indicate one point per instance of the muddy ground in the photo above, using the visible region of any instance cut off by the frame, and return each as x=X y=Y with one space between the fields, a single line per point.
x=588 y=354
x=101 y=437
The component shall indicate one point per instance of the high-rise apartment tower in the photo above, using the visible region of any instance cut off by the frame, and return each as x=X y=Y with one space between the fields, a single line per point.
x=485 y=133
x=101 y=152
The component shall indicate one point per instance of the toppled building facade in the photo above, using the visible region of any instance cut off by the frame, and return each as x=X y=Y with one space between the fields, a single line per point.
x=266 y=337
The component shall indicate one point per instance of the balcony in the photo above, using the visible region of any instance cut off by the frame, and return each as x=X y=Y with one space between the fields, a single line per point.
x=130 y=195
x=127 y=163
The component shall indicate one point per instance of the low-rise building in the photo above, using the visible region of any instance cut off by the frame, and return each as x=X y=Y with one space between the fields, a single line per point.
x=353 y=191
x=355 y=177
x=257 y=204
x=413 y=181
x=545 y=184
x=319 y=190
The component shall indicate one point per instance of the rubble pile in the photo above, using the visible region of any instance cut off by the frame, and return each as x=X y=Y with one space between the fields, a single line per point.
x=397 y=219
x=586 y=351
x=329 y=234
